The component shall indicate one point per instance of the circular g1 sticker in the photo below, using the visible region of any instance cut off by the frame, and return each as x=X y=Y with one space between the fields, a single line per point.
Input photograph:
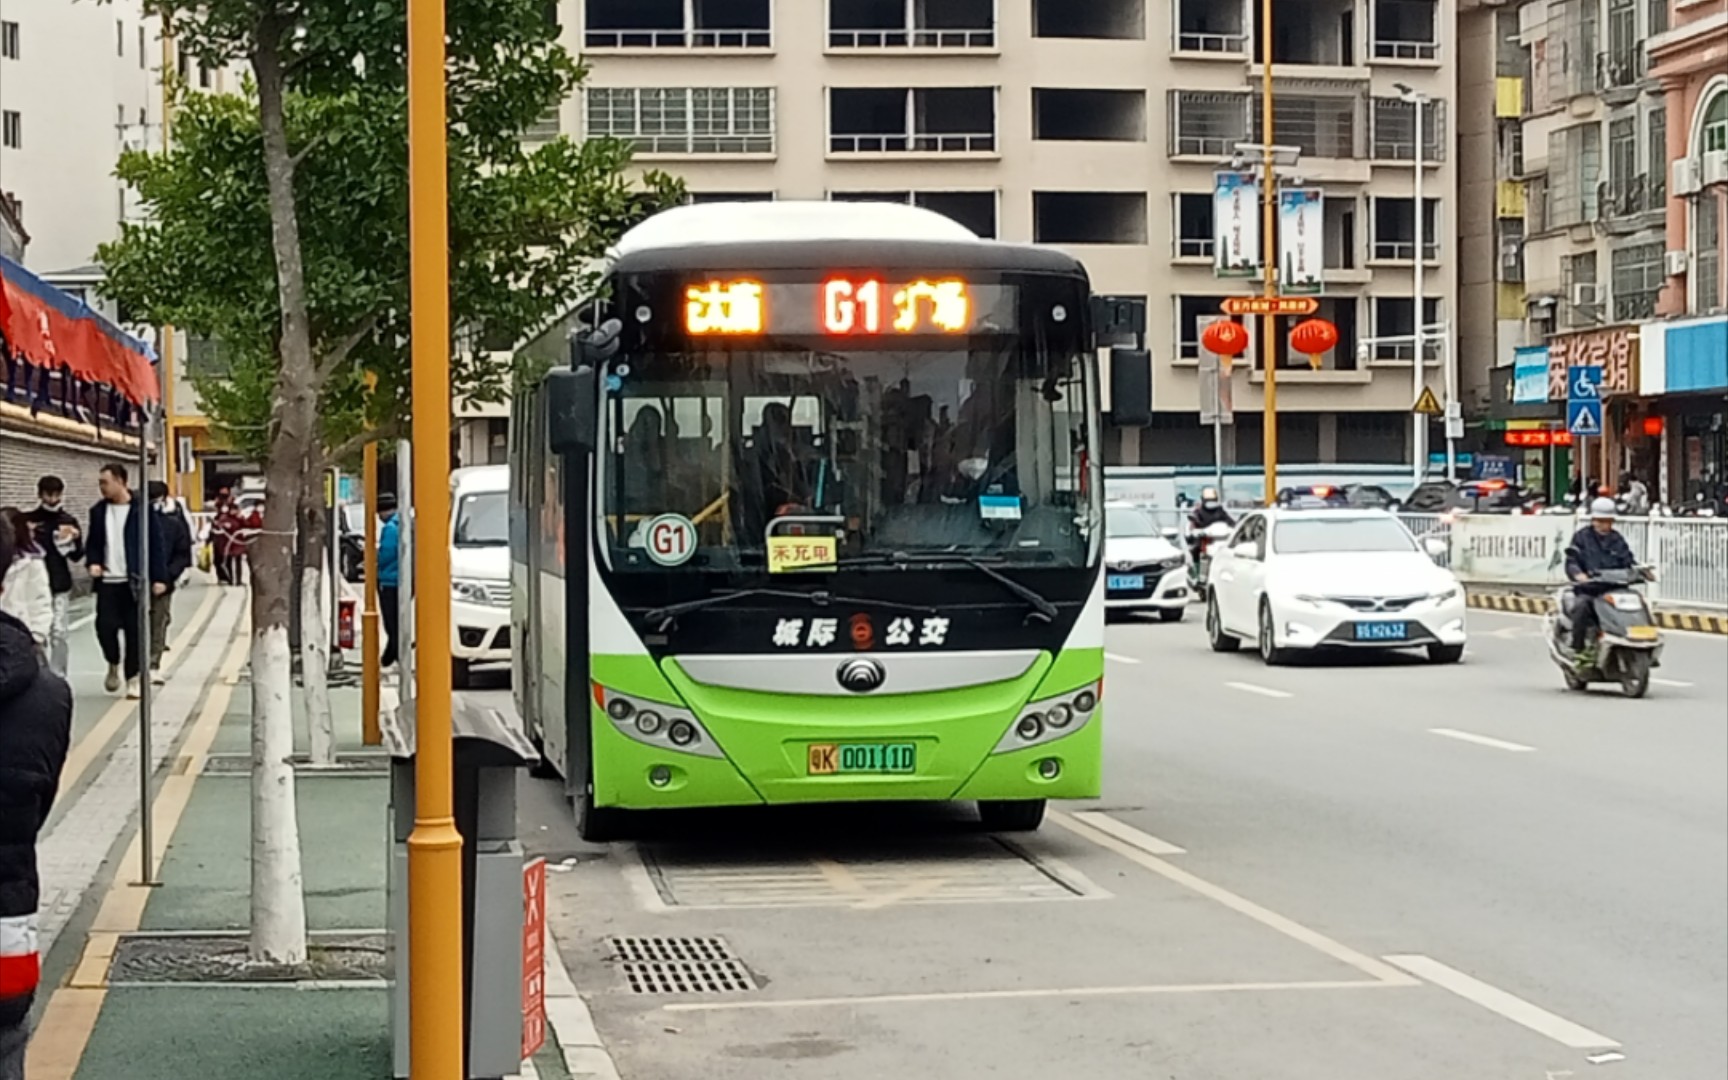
x=671 y=539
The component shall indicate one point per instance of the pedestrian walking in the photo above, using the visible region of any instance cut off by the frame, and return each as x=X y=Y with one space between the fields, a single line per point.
x=25 y=593
x=176 y=536
x=35 y=730
x=227 y=549
x=61 y=540
x=389 y=576
x=115 y=557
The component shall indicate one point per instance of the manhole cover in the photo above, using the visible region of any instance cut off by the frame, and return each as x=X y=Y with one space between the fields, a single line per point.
x=676 y=965
x=190 y=958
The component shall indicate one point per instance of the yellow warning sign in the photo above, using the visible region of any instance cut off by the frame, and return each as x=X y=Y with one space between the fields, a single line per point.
x=1427 y=404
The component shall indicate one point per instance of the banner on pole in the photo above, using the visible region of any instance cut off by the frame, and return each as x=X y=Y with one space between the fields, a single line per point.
x=1301 y=239
x=1236 y=224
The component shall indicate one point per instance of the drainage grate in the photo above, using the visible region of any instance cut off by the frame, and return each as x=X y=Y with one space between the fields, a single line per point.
x=677 y=965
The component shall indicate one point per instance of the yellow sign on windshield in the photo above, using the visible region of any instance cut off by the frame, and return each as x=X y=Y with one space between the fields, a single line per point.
x=789 y=553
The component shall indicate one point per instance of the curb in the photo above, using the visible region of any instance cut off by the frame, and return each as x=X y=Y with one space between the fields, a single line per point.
x=572 y=1025
x=1542 y=605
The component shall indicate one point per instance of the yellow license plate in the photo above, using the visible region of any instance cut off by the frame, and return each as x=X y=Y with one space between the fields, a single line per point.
x=832 y=759
x=1642 y=633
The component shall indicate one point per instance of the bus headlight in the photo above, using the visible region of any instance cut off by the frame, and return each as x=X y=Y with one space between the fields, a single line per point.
x=649 y=722
x=659 y=724
x=682 y=733
x=1051 y=719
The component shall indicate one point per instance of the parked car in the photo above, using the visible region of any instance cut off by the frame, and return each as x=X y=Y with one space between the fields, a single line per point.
x=1471 y=496
x=1145 y=569
x=479 y=569
x=351 y=540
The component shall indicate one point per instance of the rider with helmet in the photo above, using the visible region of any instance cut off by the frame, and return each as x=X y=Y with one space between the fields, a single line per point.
x=1210 y=512
x=1596 y=547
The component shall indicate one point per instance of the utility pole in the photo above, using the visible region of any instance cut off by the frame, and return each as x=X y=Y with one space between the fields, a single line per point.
x=435 y=947
x=370 y=672
x=1419 y=421
x=1269 y=266
x=171 y=446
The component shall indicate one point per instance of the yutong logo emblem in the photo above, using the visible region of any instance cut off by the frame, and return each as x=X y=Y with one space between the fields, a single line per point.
x=861 y=676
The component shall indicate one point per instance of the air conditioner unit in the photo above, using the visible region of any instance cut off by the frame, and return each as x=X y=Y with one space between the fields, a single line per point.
x=1685 y=179
x=1589 y=295
x=1676 y=262
x=1713 y=168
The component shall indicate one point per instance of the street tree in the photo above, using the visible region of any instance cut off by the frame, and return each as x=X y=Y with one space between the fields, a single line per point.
x=277 y=225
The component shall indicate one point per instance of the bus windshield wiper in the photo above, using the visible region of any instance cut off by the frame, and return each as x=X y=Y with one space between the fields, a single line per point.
x=819 y=597
x=1042 y=608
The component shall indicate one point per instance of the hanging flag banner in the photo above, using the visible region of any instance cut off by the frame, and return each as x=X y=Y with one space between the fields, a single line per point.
x=1236 y=224
x=1301 y=240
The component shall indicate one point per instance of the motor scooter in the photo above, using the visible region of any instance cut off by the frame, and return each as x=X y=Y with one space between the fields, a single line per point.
x=1215 y=533
x=1628 y=643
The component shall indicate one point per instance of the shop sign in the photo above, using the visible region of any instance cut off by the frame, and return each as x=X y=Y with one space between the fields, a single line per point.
x=1614 y=349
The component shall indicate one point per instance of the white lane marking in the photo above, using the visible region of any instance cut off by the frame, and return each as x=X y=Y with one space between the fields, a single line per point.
x=1128 y=834
x=1120 y=659
x=1677 y=684
x=1012 y=995
x=1241 y=905
x=1515 y=1009
x=1481 y=740
x=1263 y=691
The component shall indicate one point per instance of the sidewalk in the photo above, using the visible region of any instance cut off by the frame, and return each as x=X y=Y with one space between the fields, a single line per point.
x=142 y=983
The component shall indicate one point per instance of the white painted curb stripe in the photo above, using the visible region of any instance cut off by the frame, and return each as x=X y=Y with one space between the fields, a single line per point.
x=1481 y=740
x=1263 y=691
x=1128 y=834
x=1515 y=1009
x=572 y=1024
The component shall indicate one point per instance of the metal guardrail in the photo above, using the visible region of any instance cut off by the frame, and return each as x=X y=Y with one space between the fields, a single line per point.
x=912 y=39
x=951 y=143
x=679 y=39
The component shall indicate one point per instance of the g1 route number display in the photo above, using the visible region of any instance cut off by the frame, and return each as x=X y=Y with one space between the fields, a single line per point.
x=839 y=306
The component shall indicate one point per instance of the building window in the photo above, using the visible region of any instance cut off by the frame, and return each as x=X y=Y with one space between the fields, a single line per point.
x=1707 y=241
x=12 y=129
x=1623 y=165
x=9 y=40
x=203 y=77
x=1582 y=295
x=1088 y=217
x=141 y=62
x=1405 y=30
x=894 y=24
x=1320 y=126
x=921 y=120
x=721 y=120
x=1638 y=277
x=1394 y=125
x=545 y=129
x=1395 y=228
x=1190 y=312
x=1395 y=327
x=675 y=24
x=1656 y=153
x=1574 y=170
x=1207 y=124
x=1193 y=233
x=1206 y=27
x=119 y=38
x=1116 y=20
x=1715 y=135
x=1089 y=115
x=697 y=198
x=974 y=209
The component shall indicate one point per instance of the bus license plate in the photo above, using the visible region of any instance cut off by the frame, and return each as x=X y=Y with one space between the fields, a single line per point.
x=1382 y=631
x=1125 y=582
x=830 y=759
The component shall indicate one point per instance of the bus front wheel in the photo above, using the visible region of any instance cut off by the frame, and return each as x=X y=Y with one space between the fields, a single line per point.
x=1012 y=815
x=597 y=824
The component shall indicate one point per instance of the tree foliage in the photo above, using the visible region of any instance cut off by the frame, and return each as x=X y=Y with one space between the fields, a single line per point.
x=526 y=220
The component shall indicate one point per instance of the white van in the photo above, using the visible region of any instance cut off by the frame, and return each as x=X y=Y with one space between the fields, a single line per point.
x=479 y=568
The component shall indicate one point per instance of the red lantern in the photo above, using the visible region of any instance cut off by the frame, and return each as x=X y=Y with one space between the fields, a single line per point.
x=1314 y=336
x=1226 y=337
x=1653 y=426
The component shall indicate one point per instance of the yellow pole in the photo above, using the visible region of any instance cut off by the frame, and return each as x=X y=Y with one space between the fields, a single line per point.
x=370 y=673
x=434 y=847
x=170 y=455
x=1268 y=255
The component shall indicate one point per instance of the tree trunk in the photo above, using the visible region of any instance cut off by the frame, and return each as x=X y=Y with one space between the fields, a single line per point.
x=278 y=930
x=315 y=622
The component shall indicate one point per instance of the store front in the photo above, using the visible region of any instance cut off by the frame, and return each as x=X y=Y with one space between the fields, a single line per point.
x=1684 y=378
x=1527 y=427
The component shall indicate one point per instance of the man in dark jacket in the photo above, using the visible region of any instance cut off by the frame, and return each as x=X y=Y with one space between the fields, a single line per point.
x=35 y=730
x=61 y=539
x=176 y=536
x=114 y=552
x=1596 y=547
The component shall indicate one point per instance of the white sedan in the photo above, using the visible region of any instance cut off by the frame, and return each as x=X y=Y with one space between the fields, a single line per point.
x=1315 y=579
x=1143 y=569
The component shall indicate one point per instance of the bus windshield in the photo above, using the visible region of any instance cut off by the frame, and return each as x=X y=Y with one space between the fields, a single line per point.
x=977 y=448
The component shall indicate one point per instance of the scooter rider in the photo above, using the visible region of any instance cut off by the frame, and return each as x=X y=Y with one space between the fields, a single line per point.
x=1596 y=547
x=1210 y=512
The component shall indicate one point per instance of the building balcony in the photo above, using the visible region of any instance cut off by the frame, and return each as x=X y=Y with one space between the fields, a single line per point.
x=875 y=26
x=674 y=26
x=936 y=121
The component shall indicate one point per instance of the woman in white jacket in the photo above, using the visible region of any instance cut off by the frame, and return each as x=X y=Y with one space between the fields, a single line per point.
x=24 y=590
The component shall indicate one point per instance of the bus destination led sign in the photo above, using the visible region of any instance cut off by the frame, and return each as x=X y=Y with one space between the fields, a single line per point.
x=839 y=306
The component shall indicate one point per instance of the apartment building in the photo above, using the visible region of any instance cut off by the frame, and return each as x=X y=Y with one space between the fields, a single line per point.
x=1092 y=125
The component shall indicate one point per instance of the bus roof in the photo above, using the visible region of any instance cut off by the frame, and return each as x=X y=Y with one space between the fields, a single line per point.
x=759 y=222
x=809 y=234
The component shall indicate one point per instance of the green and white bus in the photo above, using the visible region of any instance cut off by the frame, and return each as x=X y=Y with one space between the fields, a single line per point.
x=809 y=509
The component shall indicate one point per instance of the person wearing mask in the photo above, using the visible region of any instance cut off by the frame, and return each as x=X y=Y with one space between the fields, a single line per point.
x=61 y=541
x=25 y=591
x=226 y=550
x=176 y=535
x=35 y=731
x=389 y=576
x=115 y=557
x=1210 y=511
x=1596 y=547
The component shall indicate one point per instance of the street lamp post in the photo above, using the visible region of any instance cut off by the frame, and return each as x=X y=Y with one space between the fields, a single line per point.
x=1418 y=421
x=435 y=947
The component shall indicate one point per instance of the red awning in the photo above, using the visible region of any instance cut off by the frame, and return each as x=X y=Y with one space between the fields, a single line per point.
x=48 y=328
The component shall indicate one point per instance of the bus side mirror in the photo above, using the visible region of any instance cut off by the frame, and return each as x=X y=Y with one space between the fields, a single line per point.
x=572 y=411
x=1130 y=387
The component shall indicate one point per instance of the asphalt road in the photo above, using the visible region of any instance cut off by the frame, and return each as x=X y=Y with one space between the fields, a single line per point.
x=1346 y=869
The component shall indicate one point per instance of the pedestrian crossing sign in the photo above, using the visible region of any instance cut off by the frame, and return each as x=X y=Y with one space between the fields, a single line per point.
x=1427 y=404
x=1584 y=417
